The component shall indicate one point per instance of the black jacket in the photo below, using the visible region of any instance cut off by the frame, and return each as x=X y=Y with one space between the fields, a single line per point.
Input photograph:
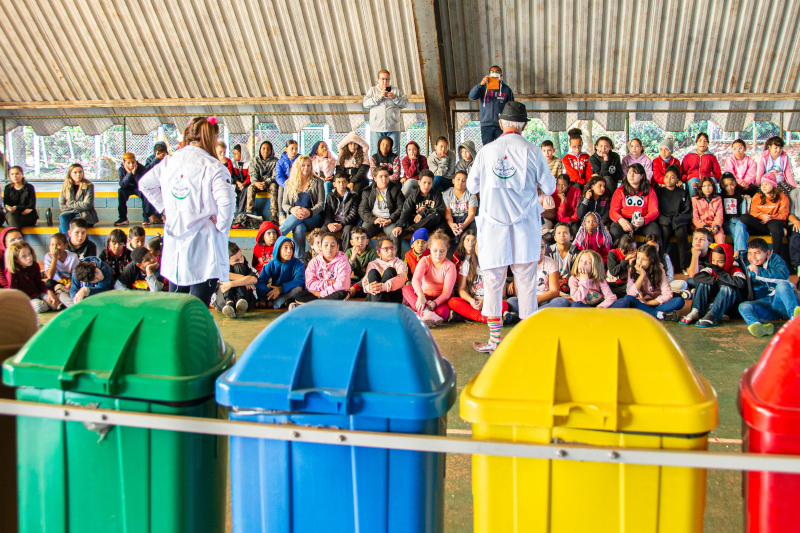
x=723 y=278
x=356 y=175
x=394 y=199
x=602 y=207
x=612 y=167
x=87 y=249
x=22 y=199
x=416 y=204
x=350 y=211
x=674 y=207
x=128 y=180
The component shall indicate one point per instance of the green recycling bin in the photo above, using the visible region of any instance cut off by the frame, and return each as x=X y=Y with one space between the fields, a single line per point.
x=152 y=353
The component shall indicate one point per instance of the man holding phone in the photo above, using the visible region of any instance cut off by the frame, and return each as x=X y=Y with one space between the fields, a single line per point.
x=493 y=94
x=384 y=103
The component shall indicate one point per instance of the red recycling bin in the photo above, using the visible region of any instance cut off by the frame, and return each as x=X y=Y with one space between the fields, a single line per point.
x=769 y=402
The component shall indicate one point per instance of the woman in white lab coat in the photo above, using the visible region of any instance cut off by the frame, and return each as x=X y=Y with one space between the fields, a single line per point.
x=193 y=190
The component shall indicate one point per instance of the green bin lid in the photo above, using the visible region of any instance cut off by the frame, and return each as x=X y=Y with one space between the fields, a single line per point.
x=148 y=346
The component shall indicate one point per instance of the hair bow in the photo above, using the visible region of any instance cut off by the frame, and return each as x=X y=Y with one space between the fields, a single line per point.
x=212 y=120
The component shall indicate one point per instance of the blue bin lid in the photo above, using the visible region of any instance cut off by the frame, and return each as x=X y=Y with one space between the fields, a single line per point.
x=346 y=358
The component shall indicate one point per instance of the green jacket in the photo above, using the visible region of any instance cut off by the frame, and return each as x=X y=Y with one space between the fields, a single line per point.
x=360 y=262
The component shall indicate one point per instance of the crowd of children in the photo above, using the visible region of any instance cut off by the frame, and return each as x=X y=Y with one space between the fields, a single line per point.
x=590 y=257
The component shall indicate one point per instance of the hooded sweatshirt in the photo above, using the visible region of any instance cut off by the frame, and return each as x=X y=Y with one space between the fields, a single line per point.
x=262 y=254
x=744 y=171
x=624 y=206
x=577 y=167
x=323 y=167
x=730 y=275
x=356 y=169
x=327 y=278
x=781 y=168
x=567 y=211
x=263 y=170
x=359 y=263
x=706 y=212
x=283 y=167
x=394 y=284
x=6 y=231
x=390 y=161
x=613 y=167
x=442 y=166
x=463 y=164
x=697 y=166
x=674 y=207
x=643 y=160
x=412 y=167
x=412 y=259
x=762 y=283
x=128 y=180
x=241 y=168
x=104 y=285
x=416 y=204
x=286 y=275
x=492 y=102
x=660 y=168
x=28 y=280
x=778 y=210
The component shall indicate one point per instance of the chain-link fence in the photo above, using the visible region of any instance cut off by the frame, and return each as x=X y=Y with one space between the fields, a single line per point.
x=48 y=157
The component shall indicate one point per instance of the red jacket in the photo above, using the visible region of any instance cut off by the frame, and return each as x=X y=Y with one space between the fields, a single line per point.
x=696 y=166
x=660 y=168
x=412 y=167
x=28 y=280
x=623 y=206
x=262 y=254
x=577 y=168
x=566 y=211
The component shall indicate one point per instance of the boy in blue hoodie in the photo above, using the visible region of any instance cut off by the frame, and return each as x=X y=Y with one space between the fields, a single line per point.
x=284 y=165
x=91 y=276
x=770 y=292
x=283 y=277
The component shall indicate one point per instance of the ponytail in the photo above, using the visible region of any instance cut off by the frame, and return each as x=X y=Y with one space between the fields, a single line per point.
x=205 y=131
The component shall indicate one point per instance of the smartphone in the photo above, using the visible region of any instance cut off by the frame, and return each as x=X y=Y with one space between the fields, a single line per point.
x=389 y=89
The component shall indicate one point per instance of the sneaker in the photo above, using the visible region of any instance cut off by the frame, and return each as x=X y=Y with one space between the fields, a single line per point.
x=146 y=223
x=510 y=318
x=757 y=329
x=156 y=220
x=241 y=308
x=455 y=317
x=484 y=347
x=686 y=294
x=121 y=222
x=796 y=312
x=228 y=311
x=672 y=316
x=292 y=306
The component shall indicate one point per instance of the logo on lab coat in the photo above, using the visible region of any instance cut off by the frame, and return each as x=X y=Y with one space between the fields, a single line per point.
x=179 y=190
x=503 y=168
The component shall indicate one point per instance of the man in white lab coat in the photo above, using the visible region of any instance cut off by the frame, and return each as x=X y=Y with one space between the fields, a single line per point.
x=507 y=173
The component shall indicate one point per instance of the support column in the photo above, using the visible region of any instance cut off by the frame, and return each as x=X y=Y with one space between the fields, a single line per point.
x=428 y=22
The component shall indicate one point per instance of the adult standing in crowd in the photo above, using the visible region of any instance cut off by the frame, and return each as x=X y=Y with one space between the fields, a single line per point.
x=384 y=102
x=130 y=173
x=76 y=199
x=508 y=173
x=493 y=94
x=193 y=190
x=262 y=178
x=19 y=198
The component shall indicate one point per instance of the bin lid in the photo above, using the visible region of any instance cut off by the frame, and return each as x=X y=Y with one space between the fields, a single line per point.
x=141 y=345
x=348 y=358
x=19 y=321
x=620 y=370
x=769 y=391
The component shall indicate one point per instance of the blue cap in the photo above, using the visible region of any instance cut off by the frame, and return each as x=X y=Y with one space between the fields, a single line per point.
x=421 y=233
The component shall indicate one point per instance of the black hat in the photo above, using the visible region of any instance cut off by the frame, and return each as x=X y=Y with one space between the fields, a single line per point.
x=514 y=112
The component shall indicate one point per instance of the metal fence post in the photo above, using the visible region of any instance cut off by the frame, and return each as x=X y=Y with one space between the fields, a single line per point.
x=255 y=153
x=124 y=136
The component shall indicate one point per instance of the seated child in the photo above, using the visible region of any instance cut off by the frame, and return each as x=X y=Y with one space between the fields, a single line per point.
x=665 y=160
x=141 y=273
x=419 y=249
x=566 y=199
x=442 y=162
x=360 y=255
x=469 y=302
x=547 y=285
x=460 y=207
x=327 y=275
x=677 y=285
x=413 y=163
x=648 y=288
x=595 y=198
x=769 y=211
x=620 y=260
x=433 y=283
x=423 y=208
x=315 y=245
x=467 y=152
x=770 y=294
x=555 y=164
x=267 y=234
x=23 y=273
x=7 y=237
x=734 y=205
x=674 y=213
x=701 y=258
x=155 y=245
x=237 y=296
x=58 y=266
x=719 y=288
x=707 y=209
x=283 y=278
x=563 y=253
x=548 y=215
x=341 y=209
x=78 y=243
x=91 y=276
x=385 y=276
x=136 y=237
x=588 y=286
x=593 y=235
x=576 y=161
x=116 y=255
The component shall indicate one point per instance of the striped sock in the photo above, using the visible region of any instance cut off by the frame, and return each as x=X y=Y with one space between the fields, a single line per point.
x=494 y=329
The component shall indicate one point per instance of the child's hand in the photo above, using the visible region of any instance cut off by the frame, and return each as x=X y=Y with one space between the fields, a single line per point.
x=274 y=293
x=224 y=286
x=583 y=272
x=477 y=304
x=639 y=269
x=80 y=295
x=588 y=195
x=421 y=301
x=417 y=218
x=752 y=268
x=630 y=257
x=397 y=231
x=51 y=299
x=767 y=218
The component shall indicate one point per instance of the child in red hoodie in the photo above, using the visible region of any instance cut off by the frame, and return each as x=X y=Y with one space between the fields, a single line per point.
x=267 y=234
x=719 y=288
x=634 y=206
x=23 y=273
x=566 y=199
x=576 y=162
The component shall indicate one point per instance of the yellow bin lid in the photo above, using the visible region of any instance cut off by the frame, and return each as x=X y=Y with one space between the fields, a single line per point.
x=613 y=370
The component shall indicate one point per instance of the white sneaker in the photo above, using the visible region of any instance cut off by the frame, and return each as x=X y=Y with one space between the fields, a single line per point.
x=292 y=306
x=484 y=347
x=228 y=311
x=241 y=308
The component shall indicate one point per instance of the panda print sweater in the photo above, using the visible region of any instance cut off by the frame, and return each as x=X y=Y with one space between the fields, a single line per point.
x=624 y=206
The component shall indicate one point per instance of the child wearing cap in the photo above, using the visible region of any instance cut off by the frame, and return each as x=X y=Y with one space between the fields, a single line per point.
x=665 y=160
x=419 y=249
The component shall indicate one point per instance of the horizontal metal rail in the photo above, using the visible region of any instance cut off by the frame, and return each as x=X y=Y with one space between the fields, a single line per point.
x=402 y=441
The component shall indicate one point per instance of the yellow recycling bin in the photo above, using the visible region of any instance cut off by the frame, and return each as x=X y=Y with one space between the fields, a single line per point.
x=617 y=380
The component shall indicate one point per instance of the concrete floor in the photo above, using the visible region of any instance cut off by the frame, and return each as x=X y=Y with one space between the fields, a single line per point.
x=720 y=354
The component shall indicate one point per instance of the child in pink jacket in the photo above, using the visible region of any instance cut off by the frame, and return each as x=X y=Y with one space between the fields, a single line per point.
x=707 y=209
x=588 y=286
x=433 y=282
x=327 y=274
x=742 y=166
x=385 y=277
x=775 y=161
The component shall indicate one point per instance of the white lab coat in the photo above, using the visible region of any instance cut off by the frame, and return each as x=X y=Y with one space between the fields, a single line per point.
x=190 y=186
x=506 y=173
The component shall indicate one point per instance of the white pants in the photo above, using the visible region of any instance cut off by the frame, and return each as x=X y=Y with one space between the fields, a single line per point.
x=494 y=280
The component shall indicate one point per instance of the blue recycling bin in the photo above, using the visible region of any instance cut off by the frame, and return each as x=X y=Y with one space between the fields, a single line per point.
x=348 y=365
